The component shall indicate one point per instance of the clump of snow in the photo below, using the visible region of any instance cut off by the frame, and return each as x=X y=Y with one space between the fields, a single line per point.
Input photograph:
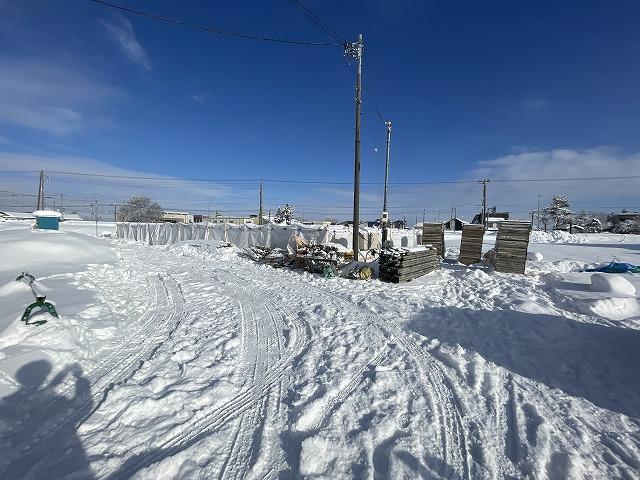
x=534 y=256
x=557 y=236
x=615 y=285
x=46 y=213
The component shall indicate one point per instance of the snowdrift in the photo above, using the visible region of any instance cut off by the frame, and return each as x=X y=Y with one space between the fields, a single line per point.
x=557 y=236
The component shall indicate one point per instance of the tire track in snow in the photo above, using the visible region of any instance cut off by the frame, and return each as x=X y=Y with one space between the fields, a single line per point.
x=447 y=405
x=210 y=420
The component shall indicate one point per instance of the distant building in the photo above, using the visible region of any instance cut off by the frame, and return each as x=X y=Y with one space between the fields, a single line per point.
x=492 y=215
x=454 y=224
x=176 y=217
x=633 y=216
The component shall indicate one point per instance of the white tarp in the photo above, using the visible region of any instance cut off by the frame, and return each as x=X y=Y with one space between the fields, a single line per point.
x=270 y=235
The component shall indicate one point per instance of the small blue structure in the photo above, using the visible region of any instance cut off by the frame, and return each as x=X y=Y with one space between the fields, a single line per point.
x=47 y=220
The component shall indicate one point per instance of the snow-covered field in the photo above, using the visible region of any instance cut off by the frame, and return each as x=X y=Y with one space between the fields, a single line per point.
x=188 y=361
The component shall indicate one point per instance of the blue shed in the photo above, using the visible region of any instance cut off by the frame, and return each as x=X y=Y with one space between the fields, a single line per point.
x=47 y=219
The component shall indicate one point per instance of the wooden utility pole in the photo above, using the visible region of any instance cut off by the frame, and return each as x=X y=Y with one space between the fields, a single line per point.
x=354 y=50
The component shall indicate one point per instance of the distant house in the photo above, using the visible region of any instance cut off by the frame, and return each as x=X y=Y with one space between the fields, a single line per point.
x=633 y=216
x=492 y=214
x=454 y=224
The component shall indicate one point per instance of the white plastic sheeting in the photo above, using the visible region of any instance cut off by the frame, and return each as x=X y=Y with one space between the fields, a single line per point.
x=246 y=235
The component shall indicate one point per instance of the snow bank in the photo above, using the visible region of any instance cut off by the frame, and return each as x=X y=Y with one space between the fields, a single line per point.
x=557 y=236
x=616 y=285
x=51 y=251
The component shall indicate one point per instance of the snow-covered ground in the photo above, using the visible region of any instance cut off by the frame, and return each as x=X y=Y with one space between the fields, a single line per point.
x=188 y=361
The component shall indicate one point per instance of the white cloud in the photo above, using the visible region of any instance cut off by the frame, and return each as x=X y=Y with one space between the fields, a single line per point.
x=124 y=36
x=52 y=96
x=560 y=163
x=168 y=191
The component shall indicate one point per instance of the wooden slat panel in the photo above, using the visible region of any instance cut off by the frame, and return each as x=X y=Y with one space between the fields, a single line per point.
x=433 y=234
x=511 y=246
x=471 y=244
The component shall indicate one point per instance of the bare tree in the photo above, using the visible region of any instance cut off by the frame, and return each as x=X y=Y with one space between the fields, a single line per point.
x=140 y=209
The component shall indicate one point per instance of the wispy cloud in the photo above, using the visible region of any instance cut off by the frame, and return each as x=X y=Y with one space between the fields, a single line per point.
x=122 y=33
x=52 y=96
x=535 y=103
x=201 y=98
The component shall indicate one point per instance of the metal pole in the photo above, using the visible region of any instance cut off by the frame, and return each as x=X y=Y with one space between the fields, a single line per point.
x=355 y=51
x=386 y=183
x=260 y=212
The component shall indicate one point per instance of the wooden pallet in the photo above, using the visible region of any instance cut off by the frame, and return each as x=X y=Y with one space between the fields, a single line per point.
x=512 y=243
x=396 y=265
x=433 y=234
x=471 y=244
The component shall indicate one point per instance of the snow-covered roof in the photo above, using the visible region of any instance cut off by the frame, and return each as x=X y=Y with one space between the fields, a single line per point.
x=72 y=216
x=47 y=213
x=495 y=219
x=18 y=215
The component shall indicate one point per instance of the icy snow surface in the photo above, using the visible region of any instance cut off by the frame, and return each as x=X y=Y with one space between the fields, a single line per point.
x=188 y=361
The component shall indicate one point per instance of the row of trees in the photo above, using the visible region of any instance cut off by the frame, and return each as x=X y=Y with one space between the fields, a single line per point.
x=141 y=209
x=559 y=214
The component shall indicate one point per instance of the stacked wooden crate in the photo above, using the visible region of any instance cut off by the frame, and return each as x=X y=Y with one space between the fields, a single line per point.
x=404 y=264
x=433 y=234
x=471 y=244
x=511 y=246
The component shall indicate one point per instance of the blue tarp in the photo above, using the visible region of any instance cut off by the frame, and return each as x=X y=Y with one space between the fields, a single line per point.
x=616 y=267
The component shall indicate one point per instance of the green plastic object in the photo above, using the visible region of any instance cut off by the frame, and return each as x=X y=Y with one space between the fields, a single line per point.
x=328 y=271
x=42 y=303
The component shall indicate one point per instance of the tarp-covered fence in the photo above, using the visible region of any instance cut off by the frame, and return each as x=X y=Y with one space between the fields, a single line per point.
x=264 y=235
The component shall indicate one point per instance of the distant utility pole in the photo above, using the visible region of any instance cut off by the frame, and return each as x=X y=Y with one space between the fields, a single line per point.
x=260 y=211
x=115 y=212
x=41 y=192
x=532 y=213
x=62 y=205
x=484 y=201
x=354 y=50
x=386 y=182
x=538 y=212
x=424 y=214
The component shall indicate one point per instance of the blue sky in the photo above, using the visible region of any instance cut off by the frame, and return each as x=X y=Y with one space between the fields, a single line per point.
x=530 y=89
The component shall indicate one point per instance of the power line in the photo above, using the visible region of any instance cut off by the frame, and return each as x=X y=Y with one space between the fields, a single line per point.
x=319 y=22
x=206 y=28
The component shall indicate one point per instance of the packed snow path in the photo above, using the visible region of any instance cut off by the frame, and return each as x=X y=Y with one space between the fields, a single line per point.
x=215 y=367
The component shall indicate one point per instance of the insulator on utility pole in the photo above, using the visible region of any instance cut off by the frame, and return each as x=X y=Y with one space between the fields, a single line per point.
x=354 y=50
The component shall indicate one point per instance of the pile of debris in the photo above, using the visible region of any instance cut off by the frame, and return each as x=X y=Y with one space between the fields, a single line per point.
x=404 y=264
x=312 y=257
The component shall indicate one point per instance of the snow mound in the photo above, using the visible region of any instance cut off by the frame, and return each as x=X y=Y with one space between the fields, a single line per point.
x=616 y=285
x=557 y=236
x=50 y=251
x=534 y=256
